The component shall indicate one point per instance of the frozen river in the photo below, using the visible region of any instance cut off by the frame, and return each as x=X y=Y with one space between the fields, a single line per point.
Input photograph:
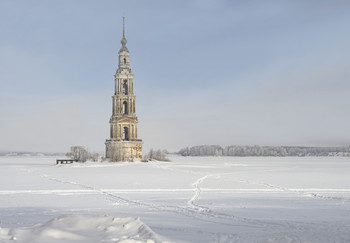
x=191 y=199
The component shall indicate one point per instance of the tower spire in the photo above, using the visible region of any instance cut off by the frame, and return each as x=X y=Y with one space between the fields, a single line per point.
x=123 y=39
x=123 y=26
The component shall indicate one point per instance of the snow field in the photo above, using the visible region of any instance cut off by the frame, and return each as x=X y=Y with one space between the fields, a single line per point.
x=191 y=199
x=86 y=228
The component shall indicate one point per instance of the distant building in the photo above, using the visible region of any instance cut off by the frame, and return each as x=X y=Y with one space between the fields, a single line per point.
x=123 y=142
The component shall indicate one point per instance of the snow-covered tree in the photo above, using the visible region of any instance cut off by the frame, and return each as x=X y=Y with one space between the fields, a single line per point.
x=93 y=157
x=155 y=155
x=78 y=153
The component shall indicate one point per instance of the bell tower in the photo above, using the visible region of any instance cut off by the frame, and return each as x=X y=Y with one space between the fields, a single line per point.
x=123 y=142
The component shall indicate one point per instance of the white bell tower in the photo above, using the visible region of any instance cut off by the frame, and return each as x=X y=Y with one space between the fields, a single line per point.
x=123 y=142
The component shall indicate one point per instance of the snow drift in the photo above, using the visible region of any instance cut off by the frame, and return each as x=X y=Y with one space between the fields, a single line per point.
x=84 y=228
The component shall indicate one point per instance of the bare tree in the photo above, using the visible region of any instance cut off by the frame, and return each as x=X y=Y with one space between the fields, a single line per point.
x=94 y=157
x=155 y=155
x=78 y=153
x=151 y=154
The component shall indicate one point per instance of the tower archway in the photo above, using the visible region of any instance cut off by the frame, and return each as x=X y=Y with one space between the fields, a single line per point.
x=125 y=107
x=125 y=88
x=125 y=133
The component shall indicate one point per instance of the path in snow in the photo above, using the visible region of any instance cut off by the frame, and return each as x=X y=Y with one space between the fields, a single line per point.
x=190 y=199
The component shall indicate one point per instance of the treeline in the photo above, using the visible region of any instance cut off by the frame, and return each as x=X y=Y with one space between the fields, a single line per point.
x=236 y=150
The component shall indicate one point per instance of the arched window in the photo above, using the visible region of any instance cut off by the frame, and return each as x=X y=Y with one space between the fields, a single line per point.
x=125 y=107
x=125 y=133
x=124 y=60
x=125 y=88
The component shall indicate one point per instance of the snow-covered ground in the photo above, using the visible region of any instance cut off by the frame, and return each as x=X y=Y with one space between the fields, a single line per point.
x=191 y=199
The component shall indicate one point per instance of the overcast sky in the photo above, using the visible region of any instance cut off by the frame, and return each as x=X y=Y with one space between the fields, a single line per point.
x=206 y=72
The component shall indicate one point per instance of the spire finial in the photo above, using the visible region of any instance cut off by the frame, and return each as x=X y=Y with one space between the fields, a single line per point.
x=123 y=39
x=123 y=26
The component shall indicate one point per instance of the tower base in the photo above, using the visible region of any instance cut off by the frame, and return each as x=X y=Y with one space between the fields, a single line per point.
x=119 y=150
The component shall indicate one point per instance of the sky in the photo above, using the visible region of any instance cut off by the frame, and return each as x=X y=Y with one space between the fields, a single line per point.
x=205 y=72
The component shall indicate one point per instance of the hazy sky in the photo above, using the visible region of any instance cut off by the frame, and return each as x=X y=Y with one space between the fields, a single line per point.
x=206 y=72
